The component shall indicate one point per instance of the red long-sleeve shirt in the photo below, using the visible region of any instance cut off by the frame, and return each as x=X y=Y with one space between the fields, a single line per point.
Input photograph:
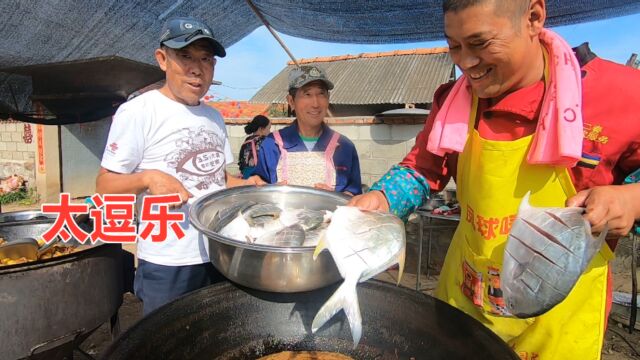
x=611 y=97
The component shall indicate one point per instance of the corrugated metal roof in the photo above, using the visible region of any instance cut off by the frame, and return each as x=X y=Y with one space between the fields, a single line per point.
x=375 y=78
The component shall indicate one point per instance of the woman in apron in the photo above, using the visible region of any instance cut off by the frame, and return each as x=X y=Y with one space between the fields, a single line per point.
x=308 y=152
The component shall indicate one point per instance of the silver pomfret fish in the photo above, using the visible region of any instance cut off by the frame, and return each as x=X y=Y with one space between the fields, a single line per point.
x=546 y=252
x=267 y=224
x=362 y=244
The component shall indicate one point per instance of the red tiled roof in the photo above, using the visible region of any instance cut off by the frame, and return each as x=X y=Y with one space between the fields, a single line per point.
x=239 y=109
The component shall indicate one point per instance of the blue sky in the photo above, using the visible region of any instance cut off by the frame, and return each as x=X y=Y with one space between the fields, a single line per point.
x=254 y=60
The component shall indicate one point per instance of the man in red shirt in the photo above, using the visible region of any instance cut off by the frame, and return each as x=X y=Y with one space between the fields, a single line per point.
x=507 y=62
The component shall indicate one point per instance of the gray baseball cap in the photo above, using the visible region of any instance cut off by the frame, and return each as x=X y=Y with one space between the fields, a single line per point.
x=181 y=31
x=300 y=76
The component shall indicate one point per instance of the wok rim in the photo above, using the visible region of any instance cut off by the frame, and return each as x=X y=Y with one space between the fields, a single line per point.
x=123 y=344
x=38 y=217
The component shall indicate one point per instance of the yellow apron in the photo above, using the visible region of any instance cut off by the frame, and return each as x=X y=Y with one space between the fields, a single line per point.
x=493 y=176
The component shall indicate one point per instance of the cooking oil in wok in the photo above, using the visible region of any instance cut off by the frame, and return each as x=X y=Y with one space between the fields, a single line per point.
x=306 y=355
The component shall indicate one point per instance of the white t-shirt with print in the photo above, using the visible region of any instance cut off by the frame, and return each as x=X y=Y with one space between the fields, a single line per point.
x=190 y=143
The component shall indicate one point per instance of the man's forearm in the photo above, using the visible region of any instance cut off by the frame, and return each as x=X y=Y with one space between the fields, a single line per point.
x=233 y=181
x=109 y=182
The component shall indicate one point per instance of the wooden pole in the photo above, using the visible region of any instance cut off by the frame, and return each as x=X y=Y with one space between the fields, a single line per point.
x=278 y=39
x=275 y=35
x=632 y=60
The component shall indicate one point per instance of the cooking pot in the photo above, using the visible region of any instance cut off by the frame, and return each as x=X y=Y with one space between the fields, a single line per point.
x=48 y=307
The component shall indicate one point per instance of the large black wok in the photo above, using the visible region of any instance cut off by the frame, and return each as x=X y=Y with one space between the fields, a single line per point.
x=48 y=307
x=224 y=321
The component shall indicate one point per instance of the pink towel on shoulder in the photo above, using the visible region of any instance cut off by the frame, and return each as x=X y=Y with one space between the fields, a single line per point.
x=558 y=137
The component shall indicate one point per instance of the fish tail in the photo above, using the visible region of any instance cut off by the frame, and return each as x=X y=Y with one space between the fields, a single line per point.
x=593 y=248
x=345 y=298
x=401 y=259
x=524 y=204
x=322 y=244
x=603 y=234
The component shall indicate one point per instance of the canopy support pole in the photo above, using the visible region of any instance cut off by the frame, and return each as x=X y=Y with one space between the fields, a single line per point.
x=278 y=39
x=275 y=35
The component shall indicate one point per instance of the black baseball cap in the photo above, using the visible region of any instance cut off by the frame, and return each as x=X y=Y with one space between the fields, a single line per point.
x=179 y=32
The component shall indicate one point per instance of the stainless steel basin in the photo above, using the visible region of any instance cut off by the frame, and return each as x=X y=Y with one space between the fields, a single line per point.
x=268 y=268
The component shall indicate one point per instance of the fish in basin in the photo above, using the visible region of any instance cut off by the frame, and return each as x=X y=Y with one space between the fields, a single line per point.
x=267 y=224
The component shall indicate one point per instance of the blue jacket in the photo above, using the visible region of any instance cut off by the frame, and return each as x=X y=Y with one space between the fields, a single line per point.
x=345 y=158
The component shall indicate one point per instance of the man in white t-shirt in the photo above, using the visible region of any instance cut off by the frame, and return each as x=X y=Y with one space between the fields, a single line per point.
x=167 y=141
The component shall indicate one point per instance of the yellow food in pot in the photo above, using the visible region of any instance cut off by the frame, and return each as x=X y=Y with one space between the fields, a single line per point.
x=54 y=251
x=306 y=355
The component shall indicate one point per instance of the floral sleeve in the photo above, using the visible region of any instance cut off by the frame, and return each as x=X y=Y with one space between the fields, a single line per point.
x=404 y=188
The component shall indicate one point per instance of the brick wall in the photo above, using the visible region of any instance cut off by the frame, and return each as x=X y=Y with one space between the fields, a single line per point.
x=380 y=143
x=18 y=150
